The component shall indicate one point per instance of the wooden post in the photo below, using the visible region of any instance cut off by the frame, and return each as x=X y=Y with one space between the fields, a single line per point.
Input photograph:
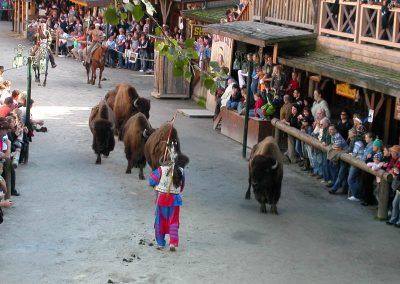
x=57 y=43
x=275 y=54
x=388 y=115
x=383 y=200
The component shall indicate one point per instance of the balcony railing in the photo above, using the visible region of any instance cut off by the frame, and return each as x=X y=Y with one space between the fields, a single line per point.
x=299 y=13
x=360 y=23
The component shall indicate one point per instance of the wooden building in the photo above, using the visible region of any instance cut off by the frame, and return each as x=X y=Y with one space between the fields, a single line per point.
x=355 y=57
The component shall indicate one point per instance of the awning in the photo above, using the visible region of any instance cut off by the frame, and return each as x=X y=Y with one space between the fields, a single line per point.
x=92 y=3
x=361 y=74
x=259 y=34
x=211 y=15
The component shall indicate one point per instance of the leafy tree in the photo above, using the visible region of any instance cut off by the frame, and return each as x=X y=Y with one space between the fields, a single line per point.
x=183 y=55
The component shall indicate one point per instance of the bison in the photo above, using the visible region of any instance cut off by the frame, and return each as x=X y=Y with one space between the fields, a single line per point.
x=265 y=174
x=102 y=124
x=126 y=102
x=154 y=149
x=136 y=131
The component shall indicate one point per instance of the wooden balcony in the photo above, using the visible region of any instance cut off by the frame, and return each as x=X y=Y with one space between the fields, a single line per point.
x=299 y=13
x=360 y=23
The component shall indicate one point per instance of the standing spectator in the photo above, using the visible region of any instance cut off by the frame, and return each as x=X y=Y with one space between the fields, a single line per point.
x=120 y=42
x=112 y=54
x=354 y=178
x=293 y=146
x=6 y=108
x=338 y=144
x=143 y=55
x=298 y=99
x=293 y=84
x=244 y=72
x=278 y=80
x=319 y=103
x=344 y=124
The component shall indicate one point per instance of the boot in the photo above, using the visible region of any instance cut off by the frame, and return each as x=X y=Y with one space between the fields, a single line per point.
x=306 y=165
x=51 y=57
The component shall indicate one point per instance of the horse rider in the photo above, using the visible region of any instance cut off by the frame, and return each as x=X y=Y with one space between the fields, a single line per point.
x=44 y=34
x=97 y=39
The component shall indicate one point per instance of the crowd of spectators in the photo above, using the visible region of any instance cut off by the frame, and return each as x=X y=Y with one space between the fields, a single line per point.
x=130 y=43
x=14 y=138
x=274 y=94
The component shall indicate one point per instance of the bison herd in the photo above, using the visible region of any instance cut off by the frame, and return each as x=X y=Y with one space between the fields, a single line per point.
x=124 y=113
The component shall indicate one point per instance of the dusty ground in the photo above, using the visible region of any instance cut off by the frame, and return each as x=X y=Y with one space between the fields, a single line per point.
x=76 y=222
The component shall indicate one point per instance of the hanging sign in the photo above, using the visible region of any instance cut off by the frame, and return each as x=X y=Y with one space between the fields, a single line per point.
x=197 y=31
x=344 y=90
x=370 y=115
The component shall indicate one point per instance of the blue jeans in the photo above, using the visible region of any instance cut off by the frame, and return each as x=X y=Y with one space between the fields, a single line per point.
x=121 y=56
x=298 y=148
x=341 y=179
x=143 y=59
x=395 y=218
x=355 y=181
x=318 y=163
x=254 y=85
x=333 y=169
x=232 y=105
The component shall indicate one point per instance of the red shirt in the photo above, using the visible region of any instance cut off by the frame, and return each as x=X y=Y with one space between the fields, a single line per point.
x=4 y=110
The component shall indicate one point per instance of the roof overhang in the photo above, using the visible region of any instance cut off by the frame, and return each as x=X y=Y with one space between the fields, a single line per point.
x=259 y=34
x=360 y=74
x=92 y=3
x=209 y=15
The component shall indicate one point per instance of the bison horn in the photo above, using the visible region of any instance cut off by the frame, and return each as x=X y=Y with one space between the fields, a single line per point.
x=135 y=103
x=275 y=166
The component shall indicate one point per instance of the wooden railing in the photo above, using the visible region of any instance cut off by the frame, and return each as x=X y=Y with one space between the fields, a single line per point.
x=245 y=14
x=299 y=13
x=361 y=23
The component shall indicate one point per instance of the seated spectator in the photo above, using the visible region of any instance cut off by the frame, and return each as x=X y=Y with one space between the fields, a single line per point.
x=234 y=98
x=258 y=103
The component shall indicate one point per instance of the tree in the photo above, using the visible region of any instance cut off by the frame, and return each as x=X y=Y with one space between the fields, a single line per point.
x=165 y=6
x=183 y=56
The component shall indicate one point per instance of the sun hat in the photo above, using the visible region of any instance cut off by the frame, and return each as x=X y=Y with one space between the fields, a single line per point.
x=378 y=143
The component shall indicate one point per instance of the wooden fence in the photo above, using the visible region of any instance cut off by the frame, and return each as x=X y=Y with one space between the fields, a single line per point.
x=299 y=13
x=360 y=23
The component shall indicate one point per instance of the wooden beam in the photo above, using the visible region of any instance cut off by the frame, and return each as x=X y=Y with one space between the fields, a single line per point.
x=275 y=54
x=379 y=105
x=388 y=116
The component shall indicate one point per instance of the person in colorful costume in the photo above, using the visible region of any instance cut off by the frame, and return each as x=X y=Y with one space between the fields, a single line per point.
x=44 y=35
x=168 y=181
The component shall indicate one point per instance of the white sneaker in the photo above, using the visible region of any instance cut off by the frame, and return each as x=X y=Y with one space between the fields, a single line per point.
x=140 y=70
x=352 y=198
x=160 y=247
x=172 y=248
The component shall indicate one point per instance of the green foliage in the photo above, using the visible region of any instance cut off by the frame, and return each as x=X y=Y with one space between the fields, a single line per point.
x=183 y=56
x=111 y=16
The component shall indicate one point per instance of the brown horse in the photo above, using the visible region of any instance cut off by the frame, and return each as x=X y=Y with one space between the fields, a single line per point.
x=98 y=61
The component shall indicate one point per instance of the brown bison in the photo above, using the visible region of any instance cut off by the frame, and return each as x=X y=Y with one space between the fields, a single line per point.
x=126 y=102
x=136 y=131
x=154 y=149
x=102 y=124
x=265 y=174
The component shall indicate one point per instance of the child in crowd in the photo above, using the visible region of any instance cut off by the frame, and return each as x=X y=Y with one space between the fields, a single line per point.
x=258 y=103
x=376 y=164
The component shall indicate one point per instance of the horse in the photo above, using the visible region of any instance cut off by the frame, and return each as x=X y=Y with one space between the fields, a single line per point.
x=98 y=61
x=41 y=55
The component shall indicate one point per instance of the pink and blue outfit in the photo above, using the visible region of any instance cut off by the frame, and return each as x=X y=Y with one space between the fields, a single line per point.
x=168 y=200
